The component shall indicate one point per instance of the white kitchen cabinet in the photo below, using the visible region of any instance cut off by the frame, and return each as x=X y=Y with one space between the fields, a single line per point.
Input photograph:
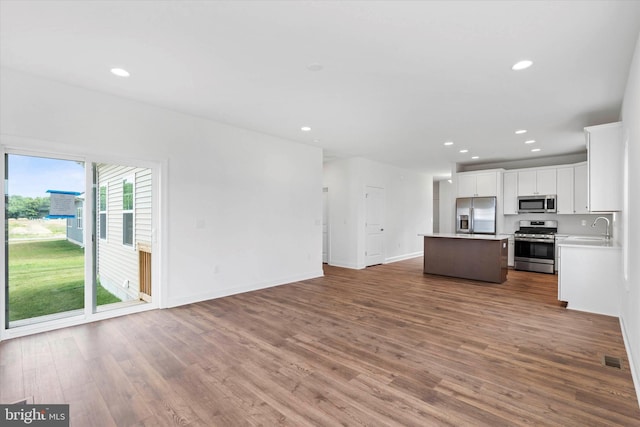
x=546 y=181
x=559 y=239
x=588 y=278
x=571 y=188
x=580 y=188
x=466 y=185
x=510 y=193
x=604 y=173
x=527 y=183
x=533 y=182
x=477 y=184
x=564 y=185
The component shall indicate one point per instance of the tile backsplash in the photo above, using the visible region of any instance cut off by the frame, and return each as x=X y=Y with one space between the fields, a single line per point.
x=567 y=224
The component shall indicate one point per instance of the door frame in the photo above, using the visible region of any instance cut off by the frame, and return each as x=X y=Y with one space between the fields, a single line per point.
x=29 y=147
x=325 y=221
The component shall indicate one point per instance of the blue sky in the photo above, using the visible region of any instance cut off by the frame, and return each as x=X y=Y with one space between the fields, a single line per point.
x=33 y=176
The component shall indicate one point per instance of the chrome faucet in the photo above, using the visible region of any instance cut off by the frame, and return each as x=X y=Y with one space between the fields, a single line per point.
x=607 y=235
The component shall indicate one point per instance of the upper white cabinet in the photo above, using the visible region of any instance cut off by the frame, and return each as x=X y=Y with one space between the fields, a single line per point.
x=565 y=190
x=477 y=184
x=604 y=162
x=572 y=189
x=580 y=188
x=510 y=193
x=535 y=182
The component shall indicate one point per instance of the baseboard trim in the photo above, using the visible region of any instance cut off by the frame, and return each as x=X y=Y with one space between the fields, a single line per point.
x=633 y=367
x=403 y=257
x=345 y=265
x=191 y=299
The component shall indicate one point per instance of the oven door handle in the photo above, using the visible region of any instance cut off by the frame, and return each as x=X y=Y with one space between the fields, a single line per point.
x=529 y=239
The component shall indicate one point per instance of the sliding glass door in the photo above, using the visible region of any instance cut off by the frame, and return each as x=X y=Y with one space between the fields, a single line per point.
x=73 y=249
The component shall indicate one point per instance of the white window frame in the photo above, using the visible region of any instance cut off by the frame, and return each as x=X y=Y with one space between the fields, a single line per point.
x=80 y=216
x=132 y=179
x=105 y=212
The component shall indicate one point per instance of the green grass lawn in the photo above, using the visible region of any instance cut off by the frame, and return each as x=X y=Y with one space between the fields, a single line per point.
x=47 y=277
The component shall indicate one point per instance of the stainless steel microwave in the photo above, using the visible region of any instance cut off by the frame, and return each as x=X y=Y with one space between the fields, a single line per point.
x=537 y=204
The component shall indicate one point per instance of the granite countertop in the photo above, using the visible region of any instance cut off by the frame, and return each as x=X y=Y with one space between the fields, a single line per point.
x=467 y=236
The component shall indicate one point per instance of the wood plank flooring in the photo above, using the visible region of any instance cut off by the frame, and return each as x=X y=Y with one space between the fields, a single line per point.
x=382 y=346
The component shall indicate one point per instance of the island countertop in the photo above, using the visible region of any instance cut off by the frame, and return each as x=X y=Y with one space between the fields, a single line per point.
x=467 y=236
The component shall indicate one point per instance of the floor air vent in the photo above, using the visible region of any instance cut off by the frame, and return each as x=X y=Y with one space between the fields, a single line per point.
x=612 y=362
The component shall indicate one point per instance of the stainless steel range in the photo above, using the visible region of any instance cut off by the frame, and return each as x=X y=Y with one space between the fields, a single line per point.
x=535 y=246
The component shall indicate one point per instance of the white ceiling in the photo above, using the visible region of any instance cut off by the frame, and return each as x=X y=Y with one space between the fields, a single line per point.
x=398 y=79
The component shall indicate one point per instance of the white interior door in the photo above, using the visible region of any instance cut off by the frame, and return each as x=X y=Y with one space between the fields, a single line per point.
x=374 y=226
x=325 y=225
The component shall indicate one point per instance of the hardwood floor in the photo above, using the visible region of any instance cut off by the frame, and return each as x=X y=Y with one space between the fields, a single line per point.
x=382 y=346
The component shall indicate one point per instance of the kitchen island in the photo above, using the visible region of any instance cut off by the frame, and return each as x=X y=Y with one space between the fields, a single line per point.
x=468 y=256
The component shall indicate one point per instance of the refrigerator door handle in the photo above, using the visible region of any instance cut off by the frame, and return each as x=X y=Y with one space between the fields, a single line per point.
x=471 y=220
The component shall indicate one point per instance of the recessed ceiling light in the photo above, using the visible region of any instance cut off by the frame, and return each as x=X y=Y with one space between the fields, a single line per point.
x=464 y=151
x=534 y=150
x=521 y=131
x=315 y=67
x=530 y=141
x=450 y=181
x=448 y=143
x=305 y=128
x=475 y=157
x=120 y=72
x=522 y=65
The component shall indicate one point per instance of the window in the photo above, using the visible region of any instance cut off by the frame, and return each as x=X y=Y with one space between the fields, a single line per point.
x=127 y=211
x=102 y=207
x=79 y=217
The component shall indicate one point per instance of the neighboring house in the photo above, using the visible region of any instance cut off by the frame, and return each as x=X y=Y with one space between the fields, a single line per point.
x=75 y=232
x=123 y=229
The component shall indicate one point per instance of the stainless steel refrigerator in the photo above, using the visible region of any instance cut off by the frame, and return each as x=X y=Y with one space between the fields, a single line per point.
x=476 y=215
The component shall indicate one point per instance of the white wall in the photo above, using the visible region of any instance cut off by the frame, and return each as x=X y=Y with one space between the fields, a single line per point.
x=436 y=207
x=447 y=204
x=243 y=209
x=408 y=209
x=630 y=298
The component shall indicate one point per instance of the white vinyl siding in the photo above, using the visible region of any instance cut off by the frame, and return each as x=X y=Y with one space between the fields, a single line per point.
x=117 y=263
x=143 y=207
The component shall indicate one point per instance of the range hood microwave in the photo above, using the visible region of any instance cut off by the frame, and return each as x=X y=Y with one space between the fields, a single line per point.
x=537 y=204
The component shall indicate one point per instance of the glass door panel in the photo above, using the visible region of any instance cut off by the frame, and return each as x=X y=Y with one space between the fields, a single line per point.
x=45 y=267
x=124 y=234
